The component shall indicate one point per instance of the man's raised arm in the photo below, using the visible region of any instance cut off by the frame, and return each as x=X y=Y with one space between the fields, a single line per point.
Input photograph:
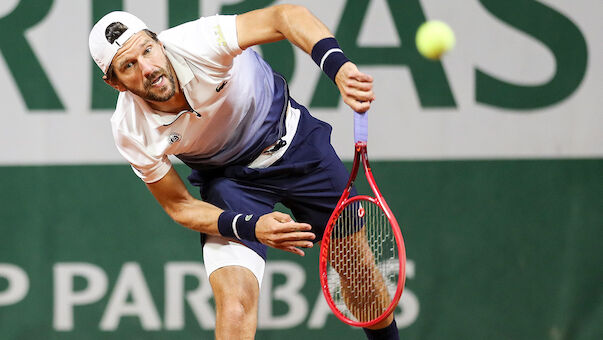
x=298 y=25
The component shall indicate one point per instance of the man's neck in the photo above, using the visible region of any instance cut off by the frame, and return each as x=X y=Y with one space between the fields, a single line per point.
x=176 y=104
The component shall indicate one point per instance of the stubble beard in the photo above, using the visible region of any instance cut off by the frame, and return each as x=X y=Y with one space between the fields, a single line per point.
x=162 y=94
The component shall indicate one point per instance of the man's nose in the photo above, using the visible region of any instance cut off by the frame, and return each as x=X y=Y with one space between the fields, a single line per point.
x=146 y=68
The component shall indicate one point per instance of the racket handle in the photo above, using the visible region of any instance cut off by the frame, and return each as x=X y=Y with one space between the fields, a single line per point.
x=360 y=127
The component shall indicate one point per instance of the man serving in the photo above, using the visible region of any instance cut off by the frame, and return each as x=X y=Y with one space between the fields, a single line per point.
x=198 y=92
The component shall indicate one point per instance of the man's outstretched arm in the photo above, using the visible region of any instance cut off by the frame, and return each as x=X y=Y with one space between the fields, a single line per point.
x=298 y=25
x=276 y=229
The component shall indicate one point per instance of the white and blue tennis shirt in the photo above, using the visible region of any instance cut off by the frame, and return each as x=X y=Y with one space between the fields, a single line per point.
x=231 y=92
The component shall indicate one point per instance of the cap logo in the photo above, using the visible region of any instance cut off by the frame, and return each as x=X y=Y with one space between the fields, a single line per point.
x=114 y=31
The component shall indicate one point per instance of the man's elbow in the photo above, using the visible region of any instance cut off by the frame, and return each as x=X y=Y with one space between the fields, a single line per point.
x=177 y=213
x=292 y=8
x=286 y=11
x=179 y=218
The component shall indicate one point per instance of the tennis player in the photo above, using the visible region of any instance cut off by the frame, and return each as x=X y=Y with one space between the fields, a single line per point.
x=197 y=91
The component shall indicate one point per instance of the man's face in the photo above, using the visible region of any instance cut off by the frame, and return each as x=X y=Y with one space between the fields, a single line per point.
x=142 y=68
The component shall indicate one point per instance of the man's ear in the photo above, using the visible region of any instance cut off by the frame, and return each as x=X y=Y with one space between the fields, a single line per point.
x=116 y=84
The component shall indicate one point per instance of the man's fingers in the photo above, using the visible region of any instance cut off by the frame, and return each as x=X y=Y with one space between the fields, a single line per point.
x=361 y=77
x=281 y=217
x=293 y=226
x=360 y=85
x=361 y=96
x=357 y=90
x=351 y=71
x=357 y=106
x=294 y=250
x=303 y=240
x=293 y=247
x=356 y=87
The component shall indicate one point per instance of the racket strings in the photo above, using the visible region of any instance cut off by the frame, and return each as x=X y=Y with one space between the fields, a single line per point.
x=360 y=273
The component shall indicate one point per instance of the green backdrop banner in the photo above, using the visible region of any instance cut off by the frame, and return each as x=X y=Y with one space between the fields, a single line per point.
x=523 y=81
x=496 y=250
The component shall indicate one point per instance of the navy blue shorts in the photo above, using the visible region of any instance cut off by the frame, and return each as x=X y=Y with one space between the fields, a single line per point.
x=308 y=179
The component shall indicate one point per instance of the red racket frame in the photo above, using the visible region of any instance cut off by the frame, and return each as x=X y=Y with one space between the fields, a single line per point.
x=360 y=156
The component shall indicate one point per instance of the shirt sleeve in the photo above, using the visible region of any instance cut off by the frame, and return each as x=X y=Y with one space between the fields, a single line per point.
x=210 y=41
x=149 y=167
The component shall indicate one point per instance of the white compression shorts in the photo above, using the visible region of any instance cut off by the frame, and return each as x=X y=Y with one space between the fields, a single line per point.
x=220 y=252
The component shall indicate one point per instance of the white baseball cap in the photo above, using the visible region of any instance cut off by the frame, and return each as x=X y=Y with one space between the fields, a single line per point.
x=101 y=49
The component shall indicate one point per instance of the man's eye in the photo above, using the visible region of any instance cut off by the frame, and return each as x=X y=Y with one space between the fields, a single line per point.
x=130 y=64
x=148 y=50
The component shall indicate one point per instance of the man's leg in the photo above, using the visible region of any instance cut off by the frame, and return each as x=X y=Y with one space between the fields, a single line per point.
x=236 y=292
x=235 y=274
x=387 y=332
x=358 y=272
x=235 y=269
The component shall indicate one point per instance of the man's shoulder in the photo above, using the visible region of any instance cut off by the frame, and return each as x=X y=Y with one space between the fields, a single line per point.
x=176 y=32
x=126 y=108
x=123 y=103
x=208 y=37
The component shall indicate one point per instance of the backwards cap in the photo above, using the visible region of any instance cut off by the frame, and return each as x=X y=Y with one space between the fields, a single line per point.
x=101 y=49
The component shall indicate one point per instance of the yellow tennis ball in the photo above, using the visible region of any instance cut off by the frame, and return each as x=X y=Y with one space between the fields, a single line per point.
x=434 y=38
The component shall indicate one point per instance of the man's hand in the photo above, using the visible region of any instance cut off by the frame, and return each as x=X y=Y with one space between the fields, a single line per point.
x=356 y=87
x=279 y=231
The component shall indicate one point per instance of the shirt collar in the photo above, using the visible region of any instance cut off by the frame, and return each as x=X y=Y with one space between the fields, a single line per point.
x=183 y=71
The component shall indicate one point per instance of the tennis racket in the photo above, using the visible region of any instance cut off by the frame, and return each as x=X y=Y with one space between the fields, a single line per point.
x=362 y=255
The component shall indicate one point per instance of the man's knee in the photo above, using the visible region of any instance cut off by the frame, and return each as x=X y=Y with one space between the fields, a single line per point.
x=238 y=310
x=235 y=292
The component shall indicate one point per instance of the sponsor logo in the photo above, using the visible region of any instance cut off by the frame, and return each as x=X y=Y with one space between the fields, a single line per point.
x=219 y=35
x=248 y=217
x=221 y=86
x=175 y=137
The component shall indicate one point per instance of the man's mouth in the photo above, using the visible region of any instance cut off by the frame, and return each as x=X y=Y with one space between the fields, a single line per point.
x=158 y=82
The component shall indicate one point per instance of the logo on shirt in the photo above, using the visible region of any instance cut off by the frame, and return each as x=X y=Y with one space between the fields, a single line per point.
x=175 y=137
x=248 y=217
x=219 y=36
x=221 y=86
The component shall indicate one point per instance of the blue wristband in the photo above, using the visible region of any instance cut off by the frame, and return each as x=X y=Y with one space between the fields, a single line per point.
x=239 y=226
x=328 y=56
